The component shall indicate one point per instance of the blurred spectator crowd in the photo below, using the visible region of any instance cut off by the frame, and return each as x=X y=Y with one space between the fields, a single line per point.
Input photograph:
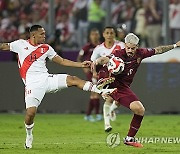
x=75 y=18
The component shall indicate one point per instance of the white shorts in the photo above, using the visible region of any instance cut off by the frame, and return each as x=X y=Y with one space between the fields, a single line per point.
x=35 y=94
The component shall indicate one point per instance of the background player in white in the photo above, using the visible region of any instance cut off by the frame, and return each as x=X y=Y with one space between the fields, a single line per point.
x=106 y=48
x=32 y=56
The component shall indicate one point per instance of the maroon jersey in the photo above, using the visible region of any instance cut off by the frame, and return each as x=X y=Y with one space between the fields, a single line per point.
x=88 y=50
x=131 y=65
x=124 y=95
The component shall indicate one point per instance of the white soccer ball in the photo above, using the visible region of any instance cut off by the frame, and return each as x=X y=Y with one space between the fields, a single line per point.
x=115 y=65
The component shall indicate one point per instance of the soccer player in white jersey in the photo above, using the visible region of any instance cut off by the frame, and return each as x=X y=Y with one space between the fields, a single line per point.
x=32 y=56
x=109 y=46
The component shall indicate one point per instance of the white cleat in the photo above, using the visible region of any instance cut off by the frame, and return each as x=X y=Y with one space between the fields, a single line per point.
x=28 y=143
x=112 y=116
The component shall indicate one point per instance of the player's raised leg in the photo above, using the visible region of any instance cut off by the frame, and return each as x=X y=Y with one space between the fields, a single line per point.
x=89 y=86
x=138 y=110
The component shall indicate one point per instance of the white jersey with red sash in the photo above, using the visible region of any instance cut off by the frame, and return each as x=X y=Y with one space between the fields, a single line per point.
x=32 y=60
x=102 y=51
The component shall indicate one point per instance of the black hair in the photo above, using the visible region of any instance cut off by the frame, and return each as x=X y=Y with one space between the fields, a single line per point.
x=109 y=27
x=92 y=30
x=34 y=28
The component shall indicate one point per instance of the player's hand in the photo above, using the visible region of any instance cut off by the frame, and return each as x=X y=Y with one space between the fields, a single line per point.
x=178 y=44
x=86 y=64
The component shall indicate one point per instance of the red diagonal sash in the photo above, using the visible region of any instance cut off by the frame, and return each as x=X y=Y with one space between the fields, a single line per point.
x=117 y=47
x=30 y=59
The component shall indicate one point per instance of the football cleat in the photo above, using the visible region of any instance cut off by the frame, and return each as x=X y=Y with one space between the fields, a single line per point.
x=104 y=82
x=112 y=116
x=28 y=143
x=108 y=128
x=132 y=142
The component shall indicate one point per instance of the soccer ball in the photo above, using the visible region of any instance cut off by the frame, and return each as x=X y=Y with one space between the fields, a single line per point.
x=115 y=65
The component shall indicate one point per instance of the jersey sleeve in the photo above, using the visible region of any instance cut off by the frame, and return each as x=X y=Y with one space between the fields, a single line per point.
x=14 y=46
x=51 y=53
x=95 y=55
x=147 y=52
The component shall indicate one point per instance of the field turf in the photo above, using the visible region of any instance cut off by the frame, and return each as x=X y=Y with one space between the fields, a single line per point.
x=70 y=134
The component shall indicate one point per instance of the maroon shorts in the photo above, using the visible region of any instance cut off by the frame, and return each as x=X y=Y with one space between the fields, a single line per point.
x=124 y=96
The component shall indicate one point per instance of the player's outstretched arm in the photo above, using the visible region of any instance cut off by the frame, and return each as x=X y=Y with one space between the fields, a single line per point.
x=163 y=49
x=65 y=62
x=4 y=46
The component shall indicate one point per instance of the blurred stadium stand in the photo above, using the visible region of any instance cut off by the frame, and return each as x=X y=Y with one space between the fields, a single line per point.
x=70 y=20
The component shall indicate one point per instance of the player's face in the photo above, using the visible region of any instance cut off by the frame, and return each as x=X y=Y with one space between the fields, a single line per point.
x=130 y=49
x=40 y=35
x=109 y=34
x=94 y=36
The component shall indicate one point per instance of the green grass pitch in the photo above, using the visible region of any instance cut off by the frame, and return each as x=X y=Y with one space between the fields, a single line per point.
x=70 y=134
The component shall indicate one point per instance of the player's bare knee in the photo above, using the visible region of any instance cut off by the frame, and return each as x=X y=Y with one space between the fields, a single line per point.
x=141 y=110
x=137 y=108
x=30 y=113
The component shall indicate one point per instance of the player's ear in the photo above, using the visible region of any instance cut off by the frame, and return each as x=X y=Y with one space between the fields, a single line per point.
x=32 y=34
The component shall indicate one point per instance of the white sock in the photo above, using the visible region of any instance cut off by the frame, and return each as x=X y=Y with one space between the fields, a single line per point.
x=106 y=108
x=89 y=86
x=113 y=106
x=29 y=129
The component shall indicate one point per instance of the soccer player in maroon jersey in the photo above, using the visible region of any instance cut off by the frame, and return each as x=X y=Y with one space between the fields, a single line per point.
x=132 y=57
x=85 y=55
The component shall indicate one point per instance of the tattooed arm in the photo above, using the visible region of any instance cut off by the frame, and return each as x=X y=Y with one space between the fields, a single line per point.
x=163 y=49
x=4 y=46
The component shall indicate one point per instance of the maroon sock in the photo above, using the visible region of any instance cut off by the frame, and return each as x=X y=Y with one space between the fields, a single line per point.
x=90 y=107
x=135 y=124
x=96 y=105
